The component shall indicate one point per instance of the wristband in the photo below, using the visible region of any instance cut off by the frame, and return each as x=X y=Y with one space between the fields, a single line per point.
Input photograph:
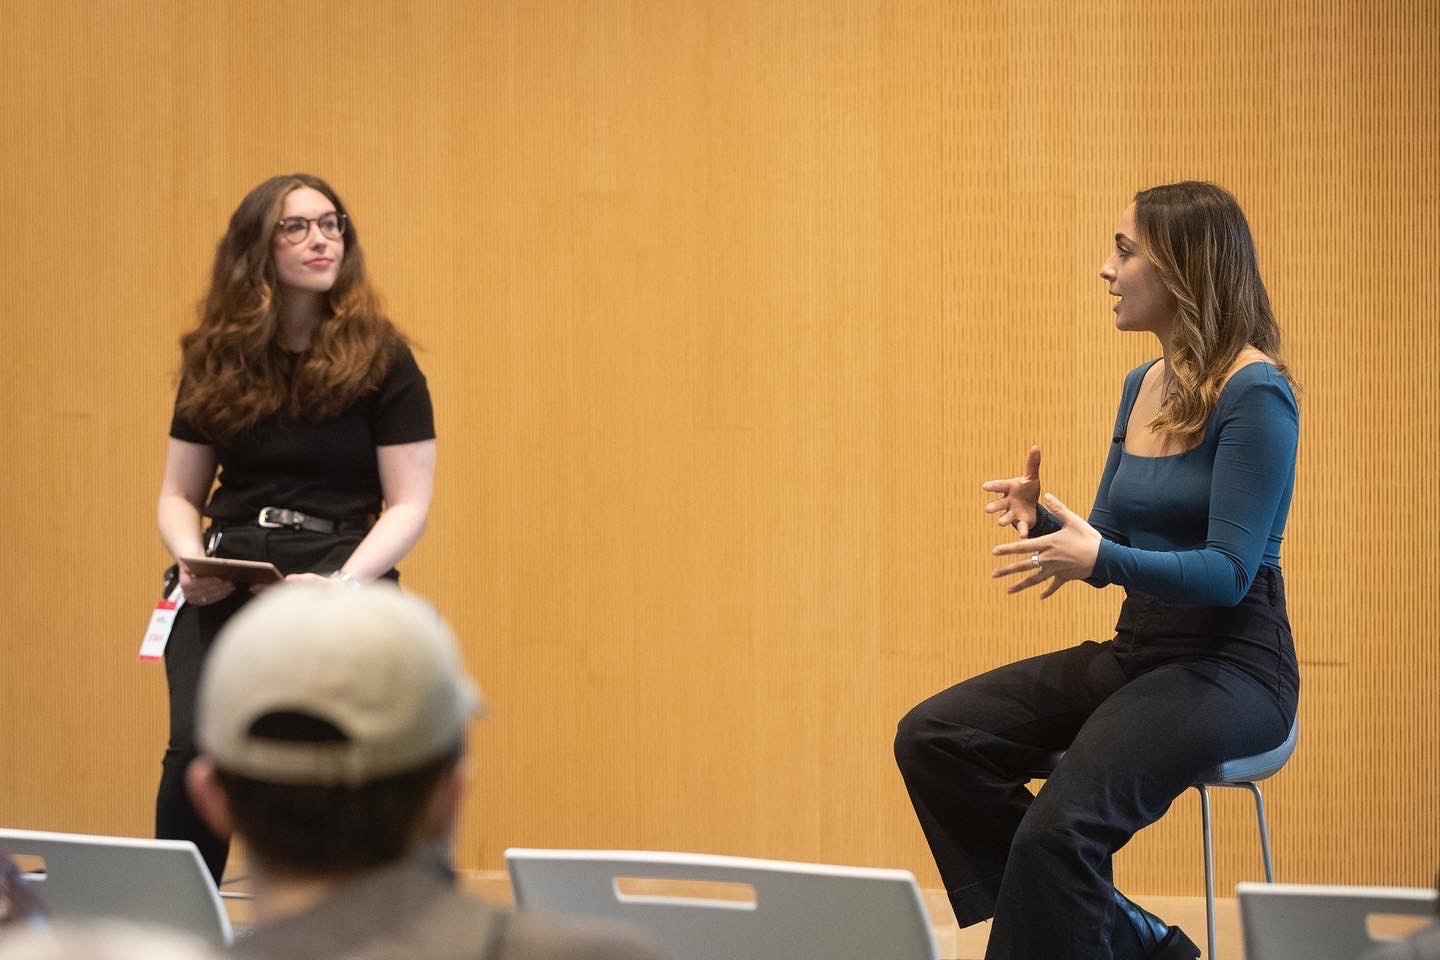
x=345 y=579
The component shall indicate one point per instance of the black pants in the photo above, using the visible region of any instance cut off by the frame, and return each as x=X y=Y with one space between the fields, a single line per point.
x=293 y=551
x=1179 y=689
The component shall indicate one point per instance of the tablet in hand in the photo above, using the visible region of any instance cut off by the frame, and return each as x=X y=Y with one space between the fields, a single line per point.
x=236 y=571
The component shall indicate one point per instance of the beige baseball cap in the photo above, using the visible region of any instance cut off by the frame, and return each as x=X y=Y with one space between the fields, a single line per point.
x=377 y=664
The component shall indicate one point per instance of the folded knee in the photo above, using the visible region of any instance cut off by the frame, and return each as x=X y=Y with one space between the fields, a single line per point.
x=907 y=735
x=920 y=734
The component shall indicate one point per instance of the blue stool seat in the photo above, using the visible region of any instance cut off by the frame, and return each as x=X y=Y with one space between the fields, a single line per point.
x=1252 y=769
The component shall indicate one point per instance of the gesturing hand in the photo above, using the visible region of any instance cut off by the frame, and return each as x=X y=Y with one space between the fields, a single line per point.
x=1016 y=504
x=1067 y=554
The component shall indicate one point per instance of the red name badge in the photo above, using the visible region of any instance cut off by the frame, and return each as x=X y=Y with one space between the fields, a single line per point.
x=157 y=633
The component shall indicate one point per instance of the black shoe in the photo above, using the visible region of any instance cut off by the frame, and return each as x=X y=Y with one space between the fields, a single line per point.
x=1135 y=933
x=1176 y=946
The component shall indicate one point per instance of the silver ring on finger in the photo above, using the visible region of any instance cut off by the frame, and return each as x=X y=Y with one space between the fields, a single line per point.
x=1035 y=560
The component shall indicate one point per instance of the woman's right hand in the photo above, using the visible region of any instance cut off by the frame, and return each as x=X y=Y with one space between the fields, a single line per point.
x=189 y=473
x=1018 y=503
x=203 y=590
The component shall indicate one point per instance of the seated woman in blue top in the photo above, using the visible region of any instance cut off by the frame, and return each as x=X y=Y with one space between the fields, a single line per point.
x=1188 y=519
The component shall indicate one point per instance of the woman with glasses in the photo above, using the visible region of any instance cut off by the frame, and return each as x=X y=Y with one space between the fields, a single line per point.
x=1188 y=519
x=301 y=398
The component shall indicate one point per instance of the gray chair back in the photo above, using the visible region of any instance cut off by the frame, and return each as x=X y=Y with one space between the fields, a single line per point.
x=1286 y=921
x=703 y=907
x=162 y=882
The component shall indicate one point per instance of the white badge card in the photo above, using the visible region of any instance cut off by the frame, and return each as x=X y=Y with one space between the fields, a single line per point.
x=157 y=634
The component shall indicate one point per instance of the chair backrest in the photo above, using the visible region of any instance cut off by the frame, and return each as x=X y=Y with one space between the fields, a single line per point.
x=148 y=881
x=1283 y=921
x=703 y=907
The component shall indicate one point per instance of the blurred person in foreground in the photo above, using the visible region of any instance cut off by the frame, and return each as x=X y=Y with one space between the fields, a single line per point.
x=331 y=725
x=19 y=907
x=102 y=940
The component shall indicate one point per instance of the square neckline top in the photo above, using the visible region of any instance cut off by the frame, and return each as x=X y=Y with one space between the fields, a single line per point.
x=1133 y=396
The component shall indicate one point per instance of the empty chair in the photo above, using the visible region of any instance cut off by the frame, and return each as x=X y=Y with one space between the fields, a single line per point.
x=147 y=881
x=703 y=907
x=1308 y=922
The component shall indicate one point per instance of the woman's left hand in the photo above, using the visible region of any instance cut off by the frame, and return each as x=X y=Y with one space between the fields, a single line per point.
x=1067 y=554
x=306 y=578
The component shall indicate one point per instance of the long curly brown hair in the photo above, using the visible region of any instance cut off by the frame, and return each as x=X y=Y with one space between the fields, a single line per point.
x=1197 y=237
x=235 y=371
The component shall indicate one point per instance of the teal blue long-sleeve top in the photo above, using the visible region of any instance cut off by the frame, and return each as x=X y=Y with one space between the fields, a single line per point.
x=1195 y=527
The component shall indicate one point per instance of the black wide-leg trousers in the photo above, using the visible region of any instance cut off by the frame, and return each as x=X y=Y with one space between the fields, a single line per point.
x=193 y=633
x=1178 y=690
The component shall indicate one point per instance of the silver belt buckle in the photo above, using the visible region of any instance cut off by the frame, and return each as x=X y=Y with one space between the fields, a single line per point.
x=265 y=520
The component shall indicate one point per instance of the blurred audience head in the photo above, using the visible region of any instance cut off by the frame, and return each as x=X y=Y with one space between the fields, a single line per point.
x=331 y=724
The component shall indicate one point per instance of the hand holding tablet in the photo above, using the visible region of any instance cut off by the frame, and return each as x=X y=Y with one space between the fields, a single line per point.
x=235 y=571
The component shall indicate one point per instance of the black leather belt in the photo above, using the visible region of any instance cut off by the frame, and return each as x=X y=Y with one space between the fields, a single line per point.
x=281 y=518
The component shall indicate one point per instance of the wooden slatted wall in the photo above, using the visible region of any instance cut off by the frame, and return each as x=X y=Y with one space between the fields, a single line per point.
x=727 y=309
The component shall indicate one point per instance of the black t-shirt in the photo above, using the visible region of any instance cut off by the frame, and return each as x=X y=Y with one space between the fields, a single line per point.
x=326 y=468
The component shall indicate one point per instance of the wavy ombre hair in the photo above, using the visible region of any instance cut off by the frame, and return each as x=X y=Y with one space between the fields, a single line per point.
x=1199 y=241
x=234 y=370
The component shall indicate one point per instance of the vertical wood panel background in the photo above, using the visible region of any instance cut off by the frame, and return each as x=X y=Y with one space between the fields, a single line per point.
x=727 y=309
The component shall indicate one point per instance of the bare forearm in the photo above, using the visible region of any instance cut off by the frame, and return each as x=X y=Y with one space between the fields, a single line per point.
x=398 y=529
x=179 y=523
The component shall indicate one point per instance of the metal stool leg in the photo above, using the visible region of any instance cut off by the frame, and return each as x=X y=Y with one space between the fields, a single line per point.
x=1209 y=869
x=1206 y=828
x=1264 y=830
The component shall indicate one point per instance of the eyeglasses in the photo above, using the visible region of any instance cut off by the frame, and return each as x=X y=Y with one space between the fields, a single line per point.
x=296 y=229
